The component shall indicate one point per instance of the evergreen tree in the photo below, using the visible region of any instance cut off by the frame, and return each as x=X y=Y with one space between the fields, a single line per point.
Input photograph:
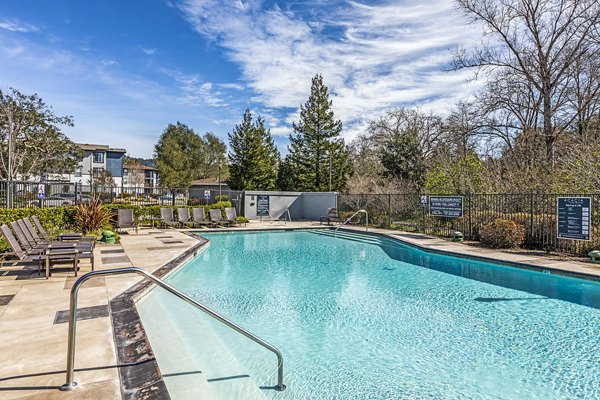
x=402 y=160
x=285 y=177
x=253 y=158
x=316 y=144
x=181 y=156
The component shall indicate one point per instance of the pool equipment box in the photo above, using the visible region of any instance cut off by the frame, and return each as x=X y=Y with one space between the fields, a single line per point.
x=262 y=206
x=574 y=215
x=446 y=206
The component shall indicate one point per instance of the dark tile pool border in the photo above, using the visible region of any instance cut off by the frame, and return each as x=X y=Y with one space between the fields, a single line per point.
x=139 y=372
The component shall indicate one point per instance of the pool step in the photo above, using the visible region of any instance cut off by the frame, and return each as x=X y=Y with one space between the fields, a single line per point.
x=194 y=362
x=179 y=367
x=356 y=236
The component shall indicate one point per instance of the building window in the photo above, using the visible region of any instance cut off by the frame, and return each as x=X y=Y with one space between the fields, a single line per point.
x=78 y=171
x=98 y=157
x=98 y=172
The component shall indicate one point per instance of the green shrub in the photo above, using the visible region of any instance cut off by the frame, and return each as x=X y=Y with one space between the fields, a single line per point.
x=242 y=219
x=223 y=197
x=502 y=234
x=92 y=217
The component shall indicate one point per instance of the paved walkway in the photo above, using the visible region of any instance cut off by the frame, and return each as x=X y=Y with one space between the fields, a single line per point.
x=33 y=327
x=33 y=331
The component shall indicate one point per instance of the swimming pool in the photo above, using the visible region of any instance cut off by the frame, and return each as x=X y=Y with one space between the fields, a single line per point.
x=366 y=317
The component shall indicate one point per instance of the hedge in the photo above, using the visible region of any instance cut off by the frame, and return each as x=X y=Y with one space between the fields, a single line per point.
x=60 y=219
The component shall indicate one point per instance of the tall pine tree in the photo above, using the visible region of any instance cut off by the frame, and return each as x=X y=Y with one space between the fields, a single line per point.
x=315 y=144
x=253 y=158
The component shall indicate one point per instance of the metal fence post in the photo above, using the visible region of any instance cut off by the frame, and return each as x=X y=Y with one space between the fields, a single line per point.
x=531 y=202
x=424 y=211
x=469 y=199
x=389 y=210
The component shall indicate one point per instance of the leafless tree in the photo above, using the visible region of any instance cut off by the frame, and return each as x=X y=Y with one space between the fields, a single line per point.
x=537 y=42
x=135 y=173
x=426 y=126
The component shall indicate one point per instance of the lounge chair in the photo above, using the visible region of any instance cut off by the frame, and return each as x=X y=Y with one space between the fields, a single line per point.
x=166 y=218
x=183 y=215
x=49 y=256
x=231 y=215
x=216 y=217
x=63 y=236
x=27 y=228
x=200 y=216
x=125 y=219
x=26 y=241
x=332 y=216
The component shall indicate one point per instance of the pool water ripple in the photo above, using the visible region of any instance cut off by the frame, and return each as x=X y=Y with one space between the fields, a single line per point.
x=385 y=321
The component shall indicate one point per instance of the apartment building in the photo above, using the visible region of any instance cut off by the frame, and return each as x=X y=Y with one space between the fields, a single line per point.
x=99 y=162
x=140 y=174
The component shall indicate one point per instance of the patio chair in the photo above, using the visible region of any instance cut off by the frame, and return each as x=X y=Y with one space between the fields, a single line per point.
x=36 y=241
x=24 y=242
x=62 y=236
x=332 y=216
x=216 y=217
x=125 y=219
x=183 y=216
x=231 y=215
x=50 y=255
x=199 y=216
x=166 y=218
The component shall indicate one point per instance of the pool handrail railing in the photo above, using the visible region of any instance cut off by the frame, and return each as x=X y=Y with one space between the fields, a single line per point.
x=70 y=384
x=352 y=216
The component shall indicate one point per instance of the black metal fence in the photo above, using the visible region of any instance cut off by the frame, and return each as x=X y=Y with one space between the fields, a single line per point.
x=19 y=194
x=536 y=212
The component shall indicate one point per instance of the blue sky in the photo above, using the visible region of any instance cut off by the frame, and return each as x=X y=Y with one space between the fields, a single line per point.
x=126 y=69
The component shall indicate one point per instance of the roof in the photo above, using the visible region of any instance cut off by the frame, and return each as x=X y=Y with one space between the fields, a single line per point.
x=208 y=181
x=102 y=147
x=140 y=167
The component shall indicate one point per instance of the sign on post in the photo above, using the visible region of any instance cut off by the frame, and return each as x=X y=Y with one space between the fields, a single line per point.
x=424 y=201
x=446 y=206
x=41 y=191
x=574 y=215
x=262 y=205
x=207 y=195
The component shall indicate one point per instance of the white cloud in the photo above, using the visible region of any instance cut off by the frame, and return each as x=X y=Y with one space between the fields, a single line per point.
x=17 y=26
x=234 y=86
x=148 y=52
x=372 y=57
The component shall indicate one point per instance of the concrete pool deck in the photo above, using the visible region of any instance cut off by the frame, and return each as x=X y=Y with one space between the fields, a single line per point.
x=33 y=331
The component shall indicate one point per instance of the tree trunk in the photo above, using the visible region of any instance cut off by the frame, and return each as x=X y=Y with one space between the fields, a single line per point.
x=549 y=136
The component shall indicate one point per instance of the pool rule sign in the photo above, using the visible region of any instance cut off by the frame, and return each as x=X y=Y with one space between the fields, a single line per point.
x=446 y=206
x=262 y=206
x=574 y=217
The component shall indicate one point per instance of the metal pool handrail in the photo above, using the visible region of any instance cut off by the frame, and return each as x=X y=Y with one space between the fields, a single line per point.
x=352 y=216
x=70 y=384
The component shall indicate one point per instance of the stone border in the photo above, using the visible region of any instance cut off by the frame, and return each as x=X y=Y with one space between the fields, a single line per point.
x=139 y=372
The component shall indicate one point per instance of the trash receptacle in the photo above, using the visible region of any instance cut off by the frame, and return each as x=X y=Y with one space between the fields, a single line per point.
x=458 y=236
x=594 y=256
x=108 y=237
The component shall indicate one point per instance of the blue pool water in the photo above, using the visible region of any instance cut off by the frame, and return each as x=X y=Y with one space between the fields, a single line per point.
x=370 y=318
